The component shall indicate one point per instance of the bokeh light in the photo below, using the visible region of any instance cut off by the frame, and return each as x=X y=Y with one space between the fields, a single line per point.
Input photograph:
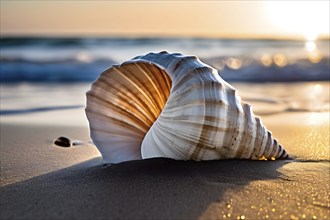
x=234 y=63
x=266 y=60
x=280 y=60
x=315 y=56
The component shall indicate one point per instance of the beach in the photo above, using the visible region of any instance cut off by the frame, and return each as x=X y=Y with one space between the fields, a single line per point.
x=228 y=102
x=43 y=86
x=42 y=181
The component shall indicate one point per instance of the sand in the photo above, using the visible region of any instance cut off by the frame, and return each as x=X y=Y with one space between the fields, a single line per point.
x=43 y=181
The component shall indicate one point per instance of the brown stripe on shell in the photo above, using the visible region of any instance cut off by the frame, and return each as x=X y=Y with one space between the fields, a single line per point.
x=232 y=125
x=259 y=139
x=269 y=145
x=164 y=81
x=129 y=75
x=153 y=79
x=121 y=104
x=202 y=144
x=196 y=86
x=275 y=148
x=131 y=129
x=125 y=115
x=245 y=136
x=234 y=134
x=284 y=154
x=207 y=131
x=250 y=121
x=117 y=87
x=178 y=136
x=278 y=151
x=125 y=104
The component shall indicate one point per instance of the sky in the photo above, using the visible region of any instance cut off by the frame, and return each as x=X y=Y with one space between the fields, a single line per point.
x=237 y=19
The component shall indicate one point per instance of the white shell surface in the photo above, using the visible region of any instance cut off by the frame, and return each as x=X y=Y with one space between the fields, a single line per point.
x=174 y=106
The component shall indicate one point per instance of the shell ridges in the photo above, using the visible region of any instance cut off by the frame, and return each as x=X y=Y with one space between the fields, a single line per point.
x=175 y=106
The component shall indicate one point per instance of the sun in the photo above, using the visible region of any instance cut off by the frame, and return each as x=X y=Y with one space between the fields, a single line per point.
x=301 y=18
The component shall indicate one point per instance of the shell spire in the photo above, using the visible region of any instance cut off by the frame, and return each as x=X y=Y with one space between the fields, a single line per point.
x=174 y=106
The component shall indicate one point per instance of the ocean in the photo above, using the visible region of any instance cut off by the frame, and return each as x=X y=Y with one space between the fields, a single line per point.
x=82 y=59
x=45 y=74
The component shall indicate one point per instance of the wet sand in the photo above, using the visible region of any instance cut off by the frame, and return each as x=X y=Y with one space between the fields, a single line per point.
x=43 y=181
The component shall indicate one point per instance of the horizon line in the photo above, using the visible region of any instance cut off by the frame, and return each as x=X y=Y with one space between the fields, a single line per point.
x=161 y=36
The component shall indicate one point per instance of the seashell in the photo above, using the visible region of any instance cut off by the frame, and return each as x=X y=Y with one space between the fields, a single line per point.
x=173 y=106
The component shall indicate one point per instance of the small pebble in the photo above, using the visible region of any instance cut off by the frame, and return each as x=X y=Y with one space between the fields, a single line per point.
x=63 y=142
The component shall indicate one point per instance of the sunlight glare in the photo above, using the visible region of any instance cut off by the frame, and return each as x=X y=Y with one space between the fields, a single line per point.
x=304 y=18
x=316 y=118
x=314 y=91
x=310 y=46
x=311 y=36
x=317 y=88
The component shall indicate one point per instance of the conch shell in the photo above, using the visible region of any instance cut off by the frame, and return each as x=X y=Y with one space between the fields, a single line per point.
x=173 y=106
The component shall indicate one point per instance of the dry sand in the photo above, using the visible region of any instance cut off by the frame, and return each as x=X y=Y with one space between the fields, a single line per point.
x=42 y=181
